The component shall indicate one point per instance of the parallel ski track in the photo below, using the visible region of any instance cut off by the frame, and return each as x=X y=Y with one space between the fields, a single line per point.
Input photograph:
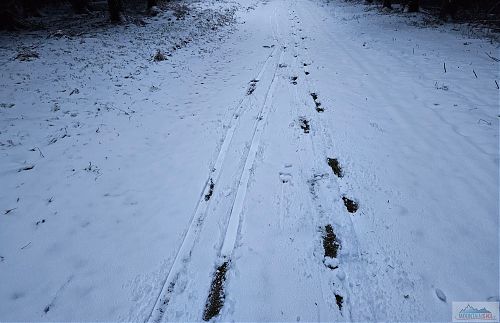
x=231 y=233
x=237 y=207
x=190 y=235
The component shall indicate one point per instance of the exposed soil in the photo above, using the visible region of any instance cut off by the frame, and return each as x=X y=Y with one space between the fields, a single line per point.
x=304 y=125
x=210 y=190
x=319 y=108
x=330 y=242
x=350 y=205
x=340 y=300
x=335 y=165
x=252 y=87
x=215 y=299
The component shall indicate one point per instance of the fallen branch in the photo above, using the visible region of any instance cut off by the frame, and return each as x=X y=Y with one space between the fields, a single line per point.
x=9 y=210
x=493 y=58
x=26 y=245
x=30 y=167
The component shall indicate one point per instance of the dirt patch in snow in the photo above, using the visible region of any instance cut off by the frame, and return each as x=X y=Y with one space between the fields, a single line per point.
x=340 y=300
x=252 y=86
x=210 y=190
x=335 y=166
x=319 y=108
x=351 y=206
x=304 y=124
x=215 y=299
x=330 y=243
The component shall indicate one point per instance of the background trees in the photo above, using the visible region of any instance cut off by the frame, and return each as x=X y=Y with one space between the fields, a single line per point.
x=13 y=12
x=485 y=11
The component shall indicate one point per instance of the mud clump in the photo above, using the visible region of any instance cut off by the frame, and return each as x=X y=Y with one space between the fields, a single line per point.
x=350 y=205
x=330 y=243
x=340 y=300
x=335 y=166
x=210 y=190
x=304 y=125
x=216 y=297
x=252 y=86
x=319 y=108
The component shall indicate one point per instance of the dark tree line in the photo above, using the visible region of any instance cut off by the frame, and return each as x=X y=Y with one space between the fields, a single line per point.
x=116 y=7
x=449 y=8
x=12 y=10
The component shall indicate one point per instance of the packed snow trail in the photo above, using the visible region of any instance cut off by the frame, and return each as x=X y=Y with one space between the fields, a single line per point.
x=312 y=161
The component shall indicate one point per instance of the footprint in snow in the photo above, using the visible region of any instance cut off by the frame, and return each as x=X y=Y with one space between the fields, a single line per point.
x=441 y=295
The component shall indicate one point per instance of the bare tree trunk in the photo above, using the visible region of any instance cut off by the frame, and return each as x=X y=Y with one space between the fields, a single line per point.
x=152 y=3
x=80 y=6
x=115 y=7
x=448 y=7
x=413 y=6
x=30 y=8
x=9 y=16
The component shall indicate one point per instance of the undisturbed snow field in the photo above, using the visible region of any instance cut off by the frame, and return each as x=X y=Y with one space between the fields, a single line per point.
x=339 y=164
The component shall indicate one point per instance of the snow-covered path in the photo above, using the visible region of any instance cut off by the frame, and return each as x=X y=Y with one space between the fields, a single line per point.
x=321 y=161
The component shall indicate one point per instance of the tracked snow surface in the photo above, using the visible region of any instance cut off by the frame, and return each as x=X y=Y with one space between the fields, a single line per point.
x=289 y=160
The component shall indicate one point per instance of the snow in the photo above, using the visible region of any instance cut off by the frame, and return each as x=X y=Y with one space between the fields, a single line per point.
x=331 y=262
x=108 y=159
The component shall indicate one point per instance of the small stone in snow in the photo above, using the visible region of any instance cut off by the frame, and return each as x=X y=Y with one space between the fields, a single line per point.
x=440 y=294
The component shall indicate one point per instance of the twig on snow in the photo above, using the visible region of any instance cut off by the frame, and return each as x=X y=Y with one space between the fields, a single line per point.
x=9 y=210
x=484 y=121
x=493 y=58
x=26 y=245
x=41 y=154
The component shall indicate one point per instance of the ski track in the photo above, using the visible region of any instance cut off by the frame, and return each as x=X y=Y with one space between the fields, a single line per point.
x=190 y=237
x=191 y=240
x=271 y=191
